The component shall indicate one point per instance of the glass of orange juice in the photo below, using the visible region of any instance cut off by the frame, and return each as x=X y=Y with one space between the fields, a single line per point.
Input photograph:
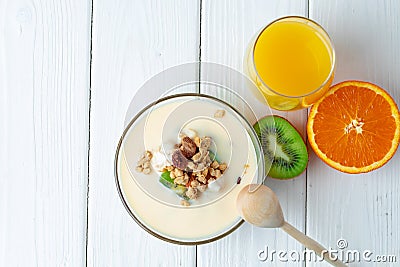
x=292 y=62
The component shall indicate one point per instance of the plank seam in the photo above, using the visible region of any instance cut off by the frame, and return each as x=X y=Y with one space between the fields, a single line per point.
x=89 y=120
x=200 y=21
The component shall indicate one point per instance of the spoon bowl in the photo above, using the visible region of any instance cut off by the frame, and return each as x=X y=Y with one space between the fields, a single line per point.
x=258 y=205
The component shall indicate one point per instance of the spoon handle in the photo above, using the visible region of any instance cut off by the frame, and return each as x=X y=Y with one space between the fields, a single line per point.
x=310 y=244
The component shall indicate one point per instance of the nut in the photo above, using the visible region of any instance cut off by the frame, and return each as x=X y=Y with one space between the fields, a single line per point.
x=222 y=166
x=179 y=180
x=219 y=113
x=146 y=164
x=192 y=193
x=215 y=164
x=148 y=155
x=179 y=160
x=201 y=157
x=185 y=203
x=202 y=178
x=217 y=173
x=194 y=183
x=178 y=172
x=139 y=168
x=202 y=187
x=186 y=178
x=141 y=161
x=143 y=164
x=211 y=171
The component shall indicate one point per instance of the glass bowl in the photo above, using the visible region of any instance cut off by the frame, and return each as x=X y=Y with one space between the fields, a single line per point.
x=156 y=208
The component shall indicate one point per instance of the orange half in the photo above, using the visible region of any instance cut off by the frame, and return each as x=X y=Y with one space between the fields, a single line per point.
x=355 y=127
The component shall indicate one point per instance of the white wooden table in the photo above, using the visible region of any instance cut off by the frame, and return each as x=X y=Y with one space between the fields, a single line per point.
x=68 y=70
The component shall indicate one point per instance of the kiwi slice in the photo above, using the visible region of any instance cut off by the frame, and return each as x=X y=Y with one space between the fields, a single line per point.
x=167 y=181
x=284 y=150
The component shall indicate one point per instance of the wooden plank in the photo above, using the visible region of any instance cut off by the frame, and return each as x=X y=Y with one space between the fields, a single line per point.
x=44 y=88
x=226 y=30
x=362 y=209
x=132 y=41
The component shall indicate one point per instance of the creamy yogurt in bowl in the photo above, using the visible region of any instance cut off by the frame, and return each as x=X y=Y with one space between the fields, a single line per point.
x=157 y=209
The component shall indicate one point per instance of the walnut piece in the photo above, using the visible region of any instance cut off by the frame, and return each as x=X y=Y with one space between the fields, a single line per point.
x=192 y=193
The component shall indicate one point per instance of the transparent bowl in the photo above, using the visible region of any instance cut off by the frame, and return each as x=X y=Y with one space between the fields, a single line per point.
x=154 y=207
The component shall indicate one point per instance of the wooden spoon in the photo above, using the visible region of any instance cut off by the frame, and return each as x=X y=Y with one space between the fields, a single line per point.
x=258 y=205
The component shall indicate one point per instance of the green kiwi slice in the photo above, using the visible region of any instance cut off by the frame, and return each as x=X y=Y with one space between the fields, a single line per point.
x=167 y=181
x=284 y=150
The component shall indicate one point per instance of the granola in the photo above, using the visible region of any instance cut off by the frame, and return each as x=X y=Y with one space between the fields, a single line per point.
x=219 y=113
x=143 y=165
x=194 y=166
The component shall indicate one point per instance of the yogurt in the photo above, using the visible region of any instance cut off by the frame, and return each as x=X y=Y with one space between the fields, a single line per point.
x=157 y=208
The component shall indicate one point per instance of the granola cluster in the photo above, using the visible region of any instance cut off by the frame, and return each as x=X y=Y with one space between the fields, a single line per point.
x=144 y=163
x=219 y=113
x=193 y=166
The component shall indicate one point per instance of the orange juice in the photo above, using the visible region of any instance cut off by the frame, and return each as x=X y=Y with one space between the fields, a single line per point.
x=293 y=61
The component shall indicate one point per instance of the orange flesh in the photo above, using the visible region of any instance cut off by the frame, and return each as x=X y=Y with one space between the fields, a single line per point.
x=344 y=142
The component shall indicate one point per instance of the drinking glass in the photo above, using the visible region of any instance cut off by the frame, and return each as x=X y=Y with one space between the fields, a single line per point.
x=292 y=62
